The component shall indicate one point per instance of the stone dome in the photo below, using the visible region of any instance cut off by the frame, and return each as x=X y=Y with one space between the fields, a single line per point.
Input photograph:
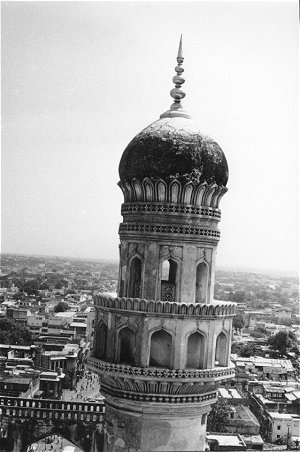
x=173 y=147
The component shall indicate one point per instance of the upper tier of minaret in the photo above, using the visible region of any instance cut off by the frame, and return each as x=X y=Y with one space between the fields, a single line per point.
x=173 y=147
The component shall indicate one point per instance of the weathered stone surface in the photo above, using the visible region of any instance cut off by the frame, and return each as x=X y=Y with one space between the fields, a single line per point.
x=174 y=148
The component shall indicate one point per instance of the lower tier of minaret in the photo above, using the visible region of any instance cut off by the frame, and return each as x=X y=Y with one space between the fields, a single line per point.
x=135 y=427
x=159 y=364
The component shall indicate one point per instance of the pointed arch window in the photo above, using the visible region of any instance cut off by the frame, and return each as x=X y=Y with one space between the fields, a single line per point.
x=127 y=344
x=201 y=283
x=168 y=280
x=195 y=351
x=221 y=350
x=135 y=276
x=100 y=340
x=161 y=349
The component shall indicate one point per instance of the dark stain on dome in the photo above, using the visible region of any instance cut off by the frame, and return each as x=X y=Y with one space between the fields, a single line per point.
x=172 y=148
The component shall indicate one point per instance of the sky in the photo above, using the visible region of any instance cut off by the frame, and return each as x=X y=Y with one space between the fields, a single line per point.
x=81 y=79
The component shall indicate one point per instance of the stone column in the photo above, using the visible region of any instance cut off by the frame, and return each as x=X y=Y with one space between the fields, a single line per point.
x=151 y=269
x=188 y=276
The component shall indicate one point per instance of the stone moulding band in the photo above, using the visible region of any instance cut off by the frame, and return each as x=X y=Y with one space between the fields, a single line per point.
x=172 y=374
x=168 y=229
x=172 y=191
x=165 y=307
x=158 y=398
x=136 y=207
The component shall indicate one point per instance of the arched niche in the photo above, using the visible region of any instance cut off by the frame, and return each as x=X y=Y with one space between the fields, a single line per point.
x=221 y=350
x=160 y=349
x=127 y=344
x=201 y=283
x=168 y=280
x=100 y=340
x=135 y=277
x=195 y=351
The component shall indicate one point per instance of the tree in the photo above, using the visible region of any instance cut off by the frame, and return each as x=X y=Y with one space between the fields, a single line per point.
x=243 y=350
x=239 y=296
x=217 y=420
x=238 y=322
x=259 y=333
x=62 y=306
x=11 y=333
x=248 y=350
x=283 y=341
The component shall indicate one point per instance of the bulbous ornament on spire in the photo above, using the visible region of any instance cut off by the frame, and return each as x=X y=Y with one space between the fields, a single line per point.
x=177 y=93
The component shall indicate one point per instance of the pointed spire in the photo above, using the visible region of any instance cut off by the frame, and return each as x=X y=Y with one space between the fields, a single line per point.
x=179 y=54
x=177 y=93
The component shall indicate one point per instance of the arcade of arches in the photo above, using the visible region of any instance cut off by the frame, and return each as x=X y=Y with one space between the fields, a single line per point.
x=161 y=348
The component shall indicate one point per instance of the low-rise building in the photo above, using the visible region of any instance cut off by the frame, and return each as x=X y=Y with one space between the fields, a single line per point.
x=283 y=426
x=17 y=315
x=265 y=368
x=225 y=442
x=18 y=385
x=51 y=384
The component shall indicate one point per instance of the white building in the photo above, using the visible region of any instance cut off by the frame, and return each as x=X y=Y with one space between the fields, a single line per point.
x=283 y=426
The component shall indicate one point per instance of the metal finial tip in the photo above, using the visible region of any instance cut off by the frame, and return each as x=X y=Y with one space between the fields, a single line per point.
x=177 y=93
x=179 y=55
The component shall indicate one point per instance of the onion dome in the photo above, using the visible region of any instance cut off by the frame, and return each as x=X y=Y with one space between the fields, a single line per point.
x=173 y=147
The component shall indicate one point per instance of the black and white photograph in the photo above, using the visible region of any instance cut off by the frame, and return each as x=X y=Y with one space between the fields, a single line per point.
x=149 y=272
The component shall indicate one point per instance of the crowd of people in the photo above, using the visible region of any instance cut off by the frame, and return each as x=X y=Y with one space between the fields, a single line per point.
x=87 y=388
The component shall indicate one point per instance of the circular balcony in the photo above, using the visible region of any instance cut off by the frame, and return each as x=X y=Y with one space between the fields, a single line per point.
x=216 y=309
x=157 y=384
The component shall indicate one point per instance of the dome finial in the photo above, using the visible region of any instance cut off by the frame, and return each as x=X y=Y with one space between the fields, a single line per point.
x=177 y=93
x=179 y=54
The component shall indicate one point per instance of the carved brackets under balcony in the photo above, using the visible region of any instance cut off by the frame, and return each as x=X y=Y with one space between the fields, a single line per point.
x=172 y=192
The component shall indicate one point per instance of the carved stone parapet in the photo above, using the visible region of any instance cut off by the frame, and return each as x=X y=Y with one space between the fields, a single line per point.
x=215 y=310
x=168 y=230
x=185 y=376
x=172 y=191
x=170 y=208
x=158 y=385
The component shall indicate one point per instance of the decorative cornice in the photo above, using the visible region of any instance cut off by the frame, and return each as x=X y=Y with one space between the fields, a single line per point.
x=222 y=309
x=173 y=191
x=169 y=229
x=136 y=207
x=161 y=398
x=182 y=375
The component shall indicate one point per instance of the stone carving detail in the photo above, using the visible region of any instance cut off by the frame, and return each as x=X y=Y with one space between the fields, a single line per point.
x=137 y=289
x=167 y=291
x=203 y=254
x=126 y=371
x=176 y=251
x=168 y=229
x=219 y=309
x=164 y=251
x=170 y=208
x=160 y=398
x=136 y=248
x=175 y=191
x=170 y=251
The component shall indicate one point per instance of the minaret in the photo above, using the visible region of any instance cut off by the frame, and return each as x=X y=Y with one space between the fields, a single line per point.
x=163 y=345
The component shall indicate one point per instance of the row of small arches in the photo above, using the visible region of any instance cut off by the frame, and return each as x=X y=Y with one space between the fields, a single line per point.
x=151 y=306
x=161 y=348
x=169 y=275
x=175 y=192
x=14 y=412
x=49 y=404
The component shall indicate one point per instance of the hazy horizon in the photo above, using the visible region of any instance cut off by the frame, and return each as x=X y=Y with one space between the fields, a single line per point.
x=81 y=79
x=116 y=261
